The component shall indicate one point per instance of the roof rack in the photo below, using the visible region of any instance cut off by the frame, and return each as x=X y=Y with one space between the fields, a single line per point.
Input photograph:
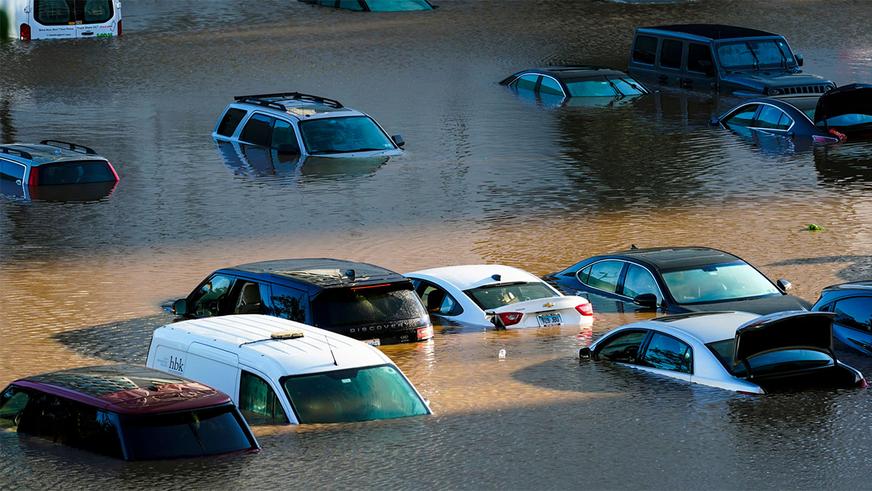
x=15 y=151
x=69 y=146
x=297 y=96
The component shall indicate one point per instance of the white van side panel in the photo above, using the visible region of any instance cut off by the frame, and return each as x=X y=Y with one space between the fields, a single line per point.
x=16 y=12
x=210 y=366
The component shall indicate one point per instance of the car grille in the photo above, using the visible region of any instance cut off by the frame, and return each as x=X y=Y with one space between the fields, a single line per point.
x=806 y=89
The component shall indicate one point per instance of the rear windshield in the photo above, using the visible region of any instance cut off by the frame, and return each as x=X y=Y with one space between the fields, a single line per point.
x=79 y=172
x=64 y=12
x=185 y=434
x=336 y=307
x=491 y=297
x=771 y=362
x=356 y=394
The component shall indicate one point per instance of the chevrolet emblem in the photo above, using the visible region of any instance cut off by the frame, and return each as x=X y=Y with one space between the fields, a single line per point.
x=548 y=305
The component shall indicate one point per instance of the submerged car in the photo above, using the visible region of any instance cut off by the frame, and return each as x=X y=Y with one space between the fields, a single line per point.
x=565 y=82
x=52 y=163
x=124 y=411
x=494 y=295
x=294 y=123
x=375 y=5
x=852 y=305
x=678 y=280
x=284 y=372
x=737 y=351
x=737 y=60
x=828 y=118
x=60 y=19
x=359 y=300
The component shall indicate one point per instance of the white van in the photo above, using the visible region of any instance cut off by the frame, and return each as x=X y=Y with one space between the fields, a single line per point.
x=279 y=371
x=59 y=19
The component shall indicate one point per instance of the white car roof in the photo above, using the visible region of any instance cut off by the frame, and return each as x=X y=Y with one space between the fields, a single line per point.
x=248 y=336
x=704 y=326
x=302 y=110
x=475 y=275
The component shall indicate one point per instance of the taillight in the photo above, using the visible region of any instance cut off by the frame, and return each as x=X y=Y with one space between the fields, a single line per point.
x=510 y=318
x=113 y=171
x=425 y=333
x=33 y=180
x=862 y=384
x=585 y=309
x=24 y=32
x=119 y=28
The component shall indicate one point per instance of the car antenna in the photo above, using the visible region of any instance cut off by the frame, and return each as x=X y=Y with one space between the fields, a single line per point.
x=633 y=247
x=331 y=350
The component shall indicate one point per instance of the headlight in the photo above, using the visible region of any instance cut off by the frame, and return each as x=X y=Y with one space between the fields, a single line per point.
x=771 y=91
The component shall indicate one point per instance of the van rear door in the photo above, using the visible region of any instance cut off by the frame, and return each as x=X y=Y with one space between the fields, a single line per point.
x=95 y=18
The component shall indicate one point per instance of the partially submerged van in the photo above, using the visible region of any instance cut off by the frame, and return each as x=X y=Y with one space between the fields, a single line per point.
x=60 y=19
x=284 y=372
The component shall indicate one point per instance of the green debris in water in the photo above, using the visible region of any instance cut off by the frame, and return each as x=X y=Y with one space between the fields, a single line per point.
x=813 y=227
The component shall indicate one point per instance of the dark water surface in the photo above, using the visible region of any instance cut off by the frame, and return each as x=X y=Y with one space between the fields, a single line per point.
x=487 y=177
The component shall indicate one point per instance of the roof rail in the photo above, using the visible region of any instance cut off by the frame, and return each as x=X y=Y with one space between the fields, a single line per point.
x=69 y=146
x=15 y=151
x=299 y=96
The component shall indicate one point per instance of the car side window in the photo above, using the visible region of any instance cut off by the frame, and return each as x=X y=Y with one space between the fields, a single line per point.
x=230 y=121
x=211 y=298
x=645 y=49
x=670 y=53
x=622 y=347
x=668 y=353
x=11 y=171
x=699 y=59
x=350 y=4
x=289 y=303
x=550 y=86
x=257 y=130
x=638 y=281
x=258 y=402
x=855 y=312
x=436 y=300
x=772 y=118
x=743 y=116
x=284 y=137
x=604 y=275
x=247 y=297
x=526 y=82
x=12 y=404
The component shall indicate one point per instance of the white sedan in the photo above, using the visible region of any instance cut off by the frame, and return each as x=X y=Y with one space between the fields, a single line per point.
x=501 y=296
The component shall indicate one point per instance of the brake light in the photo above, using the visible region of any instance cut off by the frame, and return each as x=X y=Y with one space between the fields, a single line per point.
x=119 y=28
x=841 y=136
x=364 y=287
x=33 y=180
x=862 y=384
x=113 y=171
x=425 y=333
x=585 y=309
x=510 y=318
x=24 y=32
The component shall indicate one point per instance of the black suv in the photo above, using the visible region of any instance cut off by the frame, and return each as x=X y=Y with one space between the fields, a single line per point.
x=359 y=300
x=736 y=60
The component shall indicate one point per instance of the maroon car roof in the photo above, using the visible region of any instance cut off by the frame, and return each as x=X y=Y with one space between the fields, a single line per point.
x=126 y=389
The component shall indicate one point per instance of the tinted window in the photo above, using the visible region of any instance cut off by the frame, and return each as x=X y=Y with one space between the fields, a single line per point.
x=258 y=403
x=345 y=4
x=184 y=434
x=716 y=282
x=289 y=303
x=591 y=88
x=855 y=312
x=670 y=53
x=247 y=297
x=622 y=347
x=437 y=301
x=525 y=82
x=284 y=137
x=336 y=307
x=699 y=59
x=760 y=53
x=257 y=130
x=211 y=298
x=230 y=121
x=667 y=353
x=397 y=5
x=62 y=12
x=11 y=171
x=645 y=49
x=604 y=275
x=550 y=86
x=346 y=134
x=638 y=281
x=357 y=394
x=772 y=117
x=12 y=404
x=495 y=296
x=744 y=116
x=627 y=86
x=75 y=173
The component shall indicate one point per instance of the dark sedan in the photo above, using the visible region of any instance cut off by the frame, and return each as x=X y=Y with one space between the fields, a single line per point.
x=852 y=304
x=677 y=280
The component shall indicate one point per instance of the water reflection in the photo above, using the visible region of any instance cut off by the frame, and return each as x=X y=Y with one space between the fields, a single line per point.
x=94 y=191
x=845 y=165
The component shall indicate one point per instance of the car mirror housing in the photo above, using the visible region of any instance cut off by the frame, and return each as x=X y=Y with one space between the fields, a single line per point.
x=399 y=141
x=799 y=59
x=584 y=353
x=647 y=300
x=180 y=306
x=784 y=285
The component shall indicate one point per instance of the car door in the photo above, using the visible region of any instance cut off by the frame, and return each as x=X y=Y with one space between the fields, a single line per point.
x=211 y=297
x=289 y=303
x=853 y=322
x=667 y=355
x=742 y=119
x=12 y=179
x=259 y=401
x=623 y=346
x=670 y=61
x=773 y=120
x=638 y=280
x=436 y=300
x=699 y=70
x=601 y=279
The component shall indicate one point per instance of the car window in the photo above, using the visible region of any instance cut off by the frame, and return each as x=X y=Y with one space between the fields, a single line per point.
x=397 y=5
x=289 y=303
x=12 y=404
x=591 y=88
x=10 y=171
x=744 y=116
x=359 y=306
x=627 y=86
x=604 y=275
x=257 y=130
x=550 y=86
x=438 y=301
x=211 y=298
x=584 y=275
x=670 y=53
x=490 y=297
x=349 y=4
x=772 y=117
x=855 y=312
x=230 y=121
x=699 y=59
x=258 y=402
x=79 y=172
x=668 y=353
x=623 y=347
x=525 y=82
x=284 y=137
x=247 y=297
x=65 y=12
x=645 y=49
x=638 y=281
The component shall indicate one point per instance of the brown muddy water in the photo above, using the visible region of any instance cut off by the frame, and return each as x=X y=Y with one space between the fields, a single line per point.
x=487 y=177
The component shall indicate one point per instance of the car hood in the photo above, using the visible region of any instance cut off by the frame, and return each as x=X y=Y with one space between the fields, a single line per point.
x=784 y=330
x=774 y=79
x=848 y=99
x=761 y=305
x=541 y=305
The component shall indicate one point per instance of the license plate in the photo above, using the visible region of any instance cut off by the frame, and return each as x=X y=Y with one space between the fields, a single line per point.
x=549 y=320
x=373 y=342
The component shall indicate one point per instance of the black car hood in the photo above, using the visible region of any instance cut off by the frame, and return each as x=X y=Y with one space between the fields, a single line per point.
x=761 y=305
x=849 y=99
x=775 y=79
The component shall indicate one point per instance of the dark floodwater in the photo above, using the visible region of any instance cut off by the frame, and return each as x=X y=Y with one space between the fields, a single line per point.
x=487 y=178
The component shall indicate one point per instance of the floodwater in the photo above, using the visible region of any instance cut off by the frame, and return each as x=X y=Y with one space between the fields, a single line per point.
x=488 y=177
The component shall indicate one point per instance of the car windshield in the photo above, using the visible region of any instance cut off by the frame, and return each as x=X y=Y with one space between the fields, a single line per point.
x=491 y=297
x=769 y=362
x=185 y=434
x=397 y=5
x=756 y=54
x=355 y=394
x=717 y=282
x=628 y=86
x=345 y=134
x=336 y=307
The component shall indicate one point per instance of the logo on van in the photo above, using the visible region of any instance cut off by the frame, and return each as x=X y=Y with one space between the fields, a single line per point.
x=176 y=364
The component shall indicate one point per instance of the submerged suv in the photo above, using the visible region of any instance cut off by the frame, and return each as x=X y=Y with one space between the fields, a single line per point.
x=737 y=60
x=306 y=125
x=51 y=163
x=359 y=300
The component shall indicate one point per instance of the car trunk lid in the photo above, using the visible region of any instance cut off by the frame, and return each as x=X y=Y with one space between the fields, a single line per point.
x=540 y=305
x=848 y=99
x=784 y=330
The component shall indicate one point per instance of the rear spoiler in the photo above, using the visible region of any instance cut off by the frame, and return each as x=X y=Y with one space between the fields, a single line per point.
x=784 y=330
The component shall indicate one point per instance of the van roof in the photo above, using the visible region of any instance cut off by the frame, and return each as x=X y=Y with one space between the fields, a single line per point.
x=709 y=31
x=296 y=104
x=323 y=272
x=39 y=154
x=126 y=389
x=250 y=339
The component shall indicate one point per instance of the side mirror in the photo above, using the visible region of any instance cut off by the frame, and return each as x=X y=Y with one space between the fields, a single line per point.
x=647 y=300
x=399 y=141
x=714 y=121
x=799 y=59
x=180 y=307
x=287 y=148
x=584 y=354
x=784 y=285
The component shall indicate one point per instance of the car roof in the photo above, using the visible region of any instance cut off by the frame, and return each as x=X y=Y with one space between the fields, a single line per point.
x=710 y=31
x=250 y=338
x=851 y=285
x=576 y=72
x=126 y=389
x=707 y=327
x=672 y=258
x=323 y=272
x=470 y=276
x=39 y=154
x=297 y=105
